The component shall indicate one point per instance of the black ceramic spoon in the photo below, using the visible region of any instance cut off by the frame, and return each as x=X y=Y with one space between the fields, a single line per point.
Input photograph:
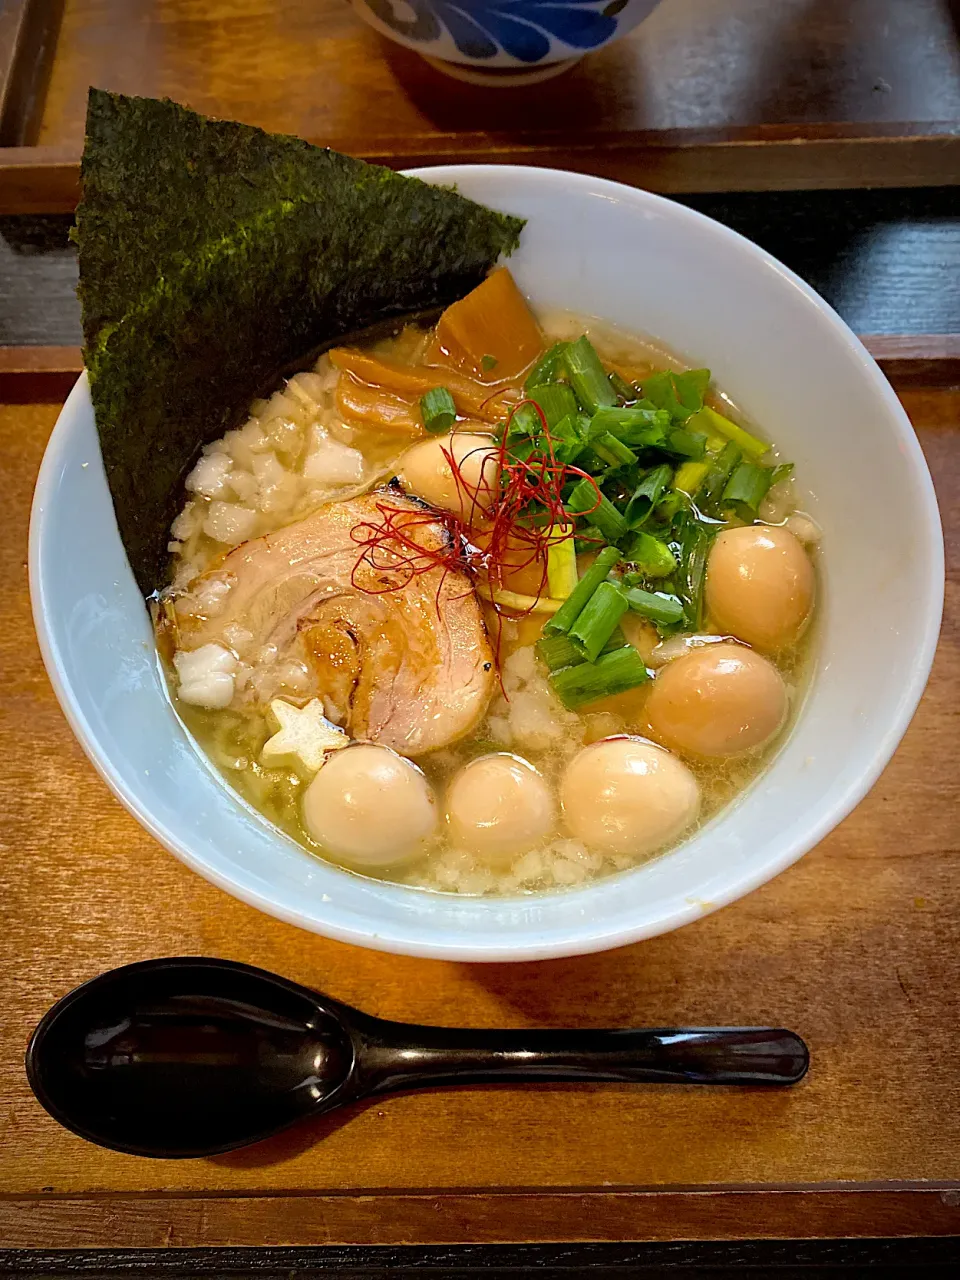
x=192 y=1056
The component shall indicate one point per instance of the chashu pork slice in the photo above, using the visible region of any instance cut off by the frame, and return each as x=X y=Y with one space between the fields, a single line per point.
x=398 y=658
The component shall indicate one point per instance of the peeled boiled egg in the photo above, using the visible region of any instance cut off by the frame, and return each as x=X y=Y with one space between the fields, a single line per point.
x=370 y=807
x=760 y=586
x=499 y=806
x=427 y=473
x=717 y=701
x=628 y=796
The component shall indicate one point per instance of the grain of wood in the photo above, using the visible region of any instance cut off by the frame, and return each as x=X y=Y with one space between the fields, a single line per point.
x=853 y=947
x=701 y=97
x=316 y=70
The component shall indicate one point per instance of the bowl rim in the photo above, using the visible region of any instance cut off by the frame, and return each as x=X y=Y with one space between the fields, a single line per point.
x=588 y=938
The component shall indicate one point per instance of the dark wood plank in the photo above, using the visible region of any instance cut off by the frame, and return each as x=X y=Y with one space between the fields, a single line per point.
x=145 y=1222
x=881 y=1259
x=28 y=38
x=763 y=158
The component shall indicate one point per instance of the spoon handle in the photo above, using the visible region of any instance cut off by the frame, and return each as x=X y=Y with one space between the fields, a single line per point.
x=396 y=1056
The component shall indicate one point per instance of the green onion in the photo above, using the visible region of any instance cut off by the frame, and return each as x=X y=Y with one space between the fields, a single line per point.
x=567 y=614
x=781 y=472
x=663 y=609
x=611 y=673
x=720 y=472
x=688 y=444
x=652 y=557
x=625 y=393
x=693 y=540
x=437 y=409
x=488 y=362
x=681 y=394
x=556 y=400
x=746 y=489
x=547 y=367
x=643 y=428
x=587 y=375
x=613 y=451
x=690 y=476
x=598 y=619
x=605 y=517
x=715 y=423
x=561 y=562
x=646 y=495
x=559 y=650
x=568 y=440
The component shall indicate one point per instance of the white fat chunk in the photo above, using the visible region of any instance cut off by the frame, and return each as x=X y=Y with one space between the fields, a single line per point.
x=229 y=522
x=206 y=676
x=333 y=463
x=209 y=476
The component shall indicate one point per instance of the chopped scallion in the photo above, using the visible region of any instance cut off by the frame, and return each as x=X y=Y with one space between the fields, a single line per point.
x=687 y=444
x=613 y=451
x=566 y=615
x=690 y=477
x=518 y=603
x=556 y=400
x=598 y=619
x=714 y=423
x=547 y=367
x=625 y=392
x=568 y=439
x=747 y=488
x=640 y=428
x=614 y=672
x=438 y=410
x=561 y=562
x=693 y=543
x=558 y=650
x=587 y=375
x=665 y=610
x=781 y=472
x=653 y=558
x=603 y=515
x=681 y=394
x=720 y=472
x=646 y=495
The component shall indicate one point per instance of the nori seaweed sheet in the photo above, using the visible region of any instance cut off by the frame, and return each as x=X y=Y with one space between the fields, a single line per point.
x=213 y=255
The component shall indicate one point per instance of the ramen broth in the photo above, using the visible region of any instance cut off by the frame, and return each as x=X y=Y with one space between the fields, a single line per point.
x=298 y=451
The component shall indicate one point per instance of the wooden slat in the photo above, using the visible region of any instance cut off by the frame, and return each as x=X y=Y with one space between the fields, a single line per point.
x=917 y=359
x=777 y=157
x=28 y=37
x=147 y=1222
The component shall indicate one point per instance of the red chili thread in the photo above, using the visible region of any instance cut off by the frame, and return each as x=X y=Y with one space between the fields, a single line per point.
x=519 y=513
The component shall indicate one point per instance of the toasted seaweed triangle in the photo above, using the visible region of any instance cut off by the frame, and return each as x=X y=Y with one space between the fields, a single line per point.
x=212 y=255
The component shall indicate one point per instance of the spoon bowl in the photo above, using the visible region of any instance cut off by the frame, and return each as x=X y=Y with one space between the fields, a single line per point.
x=194 y=1056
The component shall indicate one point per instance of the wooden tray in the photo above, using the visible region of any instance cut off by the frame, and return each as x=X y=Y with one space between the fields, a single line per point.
x=854 y=947
x=743 y=95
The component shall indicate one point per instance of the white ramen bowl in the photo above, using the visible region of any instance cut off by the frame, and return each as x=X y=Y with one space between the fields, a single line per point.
x=650 y=266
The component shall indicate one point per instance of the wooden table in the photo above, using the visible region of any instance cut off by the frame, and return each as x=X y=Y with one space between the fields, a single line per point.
x=770 y=105
x=855 y=947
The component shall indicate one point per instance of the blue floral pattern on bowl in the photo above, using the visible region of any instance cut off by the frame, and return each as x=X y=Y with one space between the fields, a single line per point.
x=513 y=31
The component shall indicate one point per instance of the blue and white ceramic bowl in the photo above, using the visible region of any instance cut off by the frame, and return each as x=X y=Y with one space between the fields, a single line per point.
x=503 y=41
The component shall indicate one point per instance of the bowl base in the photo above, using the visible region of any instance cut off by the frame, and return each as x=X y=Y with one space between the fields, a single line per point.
x=500 y=77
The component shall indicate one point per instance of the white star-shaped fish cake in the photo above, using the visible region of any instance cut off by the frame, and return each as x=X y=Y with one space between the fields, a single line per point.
x=305 y=736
